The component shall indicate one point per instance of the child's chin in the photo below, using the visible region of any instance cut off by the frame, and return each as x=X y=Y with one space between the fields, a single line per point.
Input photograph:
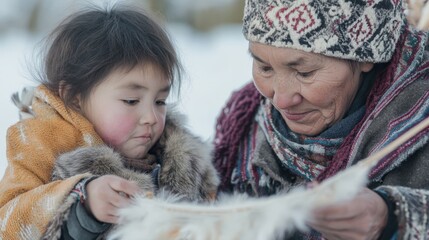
x=135 y=149
x=136 y=154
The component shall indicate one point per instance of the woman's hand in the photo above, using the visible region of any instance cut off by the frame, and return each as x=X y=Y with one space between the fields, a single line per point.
x=107 y=194
x=363 y=217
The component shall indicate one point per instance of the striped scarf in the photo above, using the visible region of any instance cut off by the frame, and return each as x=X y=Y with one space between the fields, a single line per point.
x=303 y=155
x=234 y=152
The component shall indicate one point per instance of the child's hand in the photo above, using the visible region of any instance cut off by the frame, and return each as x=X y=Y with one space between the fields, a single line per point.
x=108 y=193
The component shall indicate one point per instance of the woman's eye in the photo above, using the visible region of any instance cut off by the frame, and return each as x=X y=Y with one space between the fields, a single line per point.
x=130 y=102
x=305 y=74
x=265 y=69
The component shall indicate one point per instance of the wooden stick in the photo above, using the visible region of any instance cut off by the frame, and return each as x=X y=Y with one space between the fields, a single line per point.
x=373 y=159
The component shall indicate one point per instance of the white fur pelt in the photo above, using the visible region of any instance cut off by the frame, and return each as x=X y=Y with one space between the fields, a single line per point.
x=239 y=218
x=236 y=216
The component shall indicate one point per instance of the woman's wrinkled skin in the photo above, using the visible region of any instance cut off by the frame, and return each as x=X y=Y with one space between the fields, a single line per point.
x=313 y=92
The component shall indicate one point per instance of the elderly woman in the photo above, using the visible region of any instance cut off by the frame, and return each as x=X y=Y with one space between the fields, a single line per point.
x=333 y=82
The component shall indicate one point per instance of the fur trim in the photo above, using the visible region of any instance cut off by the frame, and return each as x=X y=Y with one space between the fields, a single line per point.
x=23 y=102
x=100 y=160
x=186 y=167
x=186 y=162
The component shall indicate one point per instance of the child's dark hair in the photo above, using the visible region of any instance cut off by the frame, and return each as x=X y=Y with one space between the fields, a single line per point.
x=91 y=43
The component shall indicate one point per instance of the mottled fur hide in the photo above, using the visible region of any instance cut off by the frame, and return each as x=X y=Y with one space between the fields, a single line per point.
x=186 y=162
x=100 y=160
x=186 y=167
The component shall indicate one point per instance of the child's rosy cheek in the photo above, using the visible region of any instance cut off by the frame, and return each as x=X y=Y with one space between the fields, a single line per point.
x=118 y=131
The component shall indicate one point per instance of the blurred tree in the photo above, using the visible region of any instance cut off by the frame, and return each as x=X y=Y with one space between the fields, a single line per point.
x=202 y=15
x=418 y=13
x=15 y=15
x=210 y=17
x=41 y=16
x=32 y=21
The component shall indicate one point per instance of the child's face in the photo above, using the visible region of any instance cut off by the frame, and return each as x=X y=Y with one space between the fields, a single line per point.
x=128 y=109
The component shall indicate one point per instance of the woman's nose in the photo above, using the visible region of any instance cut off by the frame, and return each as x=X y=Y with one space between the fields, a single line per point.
x=285 y=94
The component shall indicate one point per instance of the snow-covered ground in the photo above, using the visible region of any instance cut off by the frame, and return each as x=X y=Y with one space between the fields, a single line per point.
x=216 y=63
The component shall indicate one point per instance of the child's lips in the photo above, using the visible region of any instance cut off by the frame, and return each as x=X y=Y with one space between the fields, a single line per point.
x=145 y=138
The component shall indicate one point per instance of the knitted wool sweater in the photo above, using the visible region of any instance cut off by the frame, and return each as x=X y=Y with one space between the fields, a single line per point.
x=28 y=198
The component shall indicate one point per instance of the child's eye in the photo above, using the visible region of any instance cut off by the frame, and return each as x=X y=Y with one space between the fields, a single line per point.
x=161 y=102
x=130 y=102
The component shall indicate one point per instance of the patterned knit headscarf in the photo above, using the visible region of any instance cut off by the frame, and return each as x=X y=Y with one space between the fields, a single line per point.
x=360 y=30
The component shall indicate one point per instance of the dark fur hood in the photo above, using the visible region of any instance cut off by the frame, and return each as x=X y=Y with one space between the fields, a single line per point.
x=183 y=163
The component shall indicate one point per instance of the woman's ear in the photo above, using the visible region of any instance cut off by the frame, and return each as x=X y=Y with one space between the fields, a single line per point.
x=63 y=92
x=366 y=66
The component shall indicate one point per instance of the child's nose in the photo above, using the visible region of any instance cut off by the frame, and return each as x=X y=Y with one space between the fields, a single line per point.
x=148 y=116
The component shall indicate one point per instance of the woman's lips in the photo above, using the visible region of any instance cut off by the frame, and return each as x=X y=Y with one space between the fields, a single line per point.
x=294 y=116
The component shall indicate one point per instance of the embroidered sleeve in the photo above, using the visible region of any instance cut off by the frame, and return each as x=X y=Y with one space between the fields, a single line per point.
x=80 y=189
x=80 y=223
x=412 y=211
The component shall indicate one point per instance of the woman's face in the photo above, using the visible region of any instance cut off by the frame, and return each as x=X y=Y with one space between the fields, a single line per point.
x=311 y=91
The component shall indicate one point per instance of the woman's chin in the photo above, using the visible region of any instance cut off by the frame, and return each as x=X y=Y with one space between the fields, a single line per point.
x=306 y=130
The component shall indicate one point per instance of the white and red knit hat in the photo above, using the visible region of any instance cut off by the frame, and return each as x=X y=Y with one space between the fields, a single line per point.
x=361 y=30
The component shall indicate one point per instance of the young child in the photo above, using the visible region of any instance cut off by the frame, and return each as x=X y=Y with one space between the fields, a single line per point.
x=101 y=131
